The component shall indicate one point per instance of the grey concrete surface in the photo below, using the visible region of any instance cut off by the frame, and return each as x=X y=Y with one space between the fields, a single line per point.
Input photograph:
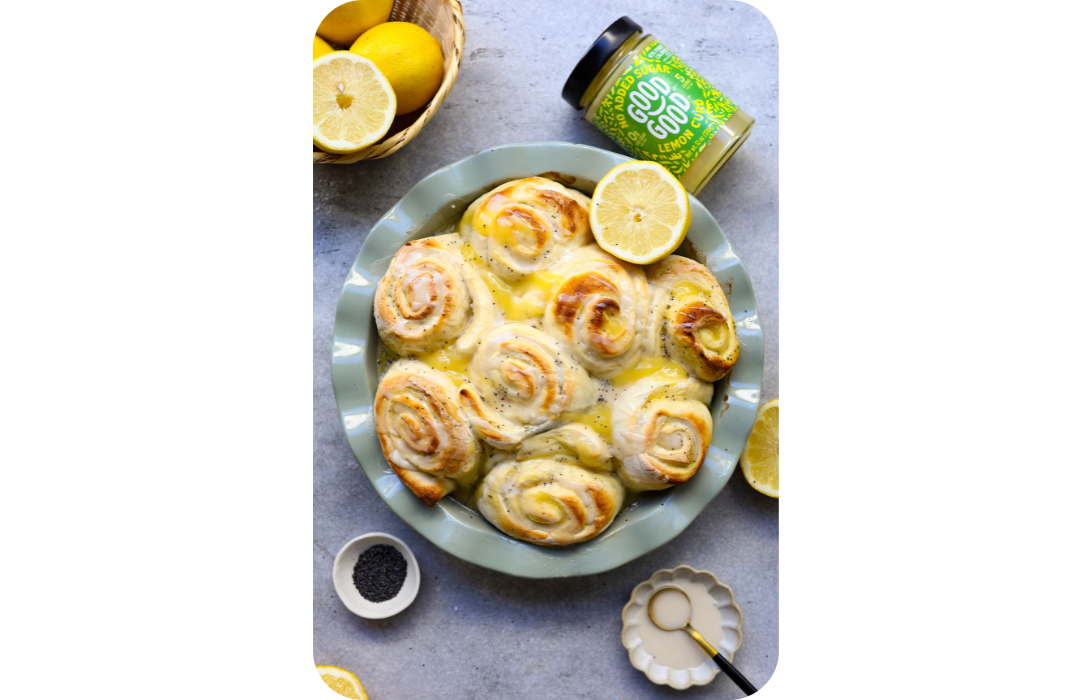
x=473 y=633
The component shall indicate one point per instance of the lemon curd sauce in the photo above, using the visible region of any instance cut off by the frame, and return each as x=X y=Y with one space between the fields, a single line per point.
x=664 y=370
x=446 y=360
x=516 y=301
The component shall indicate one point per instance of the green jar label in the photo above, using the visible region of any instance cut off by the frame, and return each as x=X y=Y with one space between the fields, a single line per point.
x=660 y=109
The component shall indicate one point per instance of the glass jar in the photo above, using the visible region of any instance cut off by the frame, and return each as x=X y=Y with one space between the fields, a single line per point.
x=649 y=102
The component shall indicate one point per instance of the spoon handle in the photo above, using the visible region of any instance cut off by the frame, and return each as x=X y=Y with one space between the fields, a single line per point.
x=730 y=670
x=720 y=660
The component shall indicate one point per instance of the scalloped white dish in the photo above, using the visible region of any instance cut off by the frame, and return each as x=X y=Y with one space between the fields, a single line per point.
x=642 y=650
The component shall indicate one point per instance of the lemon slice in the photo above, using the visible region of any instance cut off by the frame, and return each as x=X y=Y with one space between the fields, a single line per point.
x=343 y=682
x=354 y=104
x=639 y=212
x=759 y=459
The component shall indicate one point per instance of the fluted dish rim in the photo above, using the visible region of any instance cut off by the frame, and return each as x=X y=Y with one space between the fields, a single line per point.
x=659 y=516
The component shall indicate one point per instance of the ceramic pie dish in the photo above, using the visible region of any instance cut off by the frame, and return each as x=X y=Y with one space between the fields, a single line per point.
x=654 y=519
x=731 y=621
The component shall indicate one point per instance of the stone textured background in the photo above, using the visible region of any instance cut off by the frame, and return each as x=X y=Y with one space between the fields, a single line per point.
x=473 y=633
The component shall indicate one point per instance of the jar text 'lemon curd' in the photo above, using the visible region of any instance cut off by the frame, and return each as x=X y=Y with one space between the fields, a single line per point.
x=655 y=106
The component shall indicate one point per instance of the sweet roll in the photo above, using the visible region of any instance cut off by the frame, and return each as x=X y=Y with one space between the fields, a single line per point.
x=573 y=442
x=522 y=225
x=431 y=297
x=661 y=432
x=424 y=435
x=521 y=381
x=549 y=502
x=696 y=327
x=600 y=311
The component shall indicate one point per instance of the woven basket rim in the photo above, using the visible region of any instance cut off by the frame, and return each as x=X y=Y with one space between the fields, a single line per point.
x=395 y=141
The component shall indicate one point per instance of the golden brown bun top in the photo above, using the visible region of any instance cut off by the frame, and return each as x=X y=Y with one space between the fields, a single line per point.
x=545 y=501
x=661 y=433
x=430 y=297
x=522 y=225
x=698 y=328
x=424 y=436
x=600 y=311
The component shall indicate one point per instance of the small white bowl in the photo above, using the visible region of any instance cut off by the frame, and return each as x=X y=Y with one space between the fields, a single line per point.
x=731 y=619
x=343 y=577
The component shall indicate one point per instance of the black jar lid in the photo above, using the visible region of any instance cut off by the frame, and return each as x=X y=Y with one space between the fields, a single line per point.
x=597 y=56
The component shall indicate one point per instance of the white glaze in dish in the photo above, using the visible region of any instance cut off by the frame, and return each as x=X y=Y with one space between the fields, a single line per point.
x=670 y=609
x=673 y=658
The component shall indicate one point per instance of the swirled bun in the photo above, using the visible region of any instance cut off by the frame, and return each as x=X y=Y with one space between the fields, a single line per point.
x=572 y=442
x=522 y=225
x=661 y=433
x=490 y=425
x=431 y=297
x=548 y=502
x=600 y=311
x=424 y=436
x=697 y=326
x=522 y=380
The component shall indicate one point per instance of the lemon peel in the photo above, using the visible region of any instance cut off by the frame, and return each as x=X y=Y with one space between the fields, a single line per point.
x=410 y=58
x=760 y=456
x=344 y=683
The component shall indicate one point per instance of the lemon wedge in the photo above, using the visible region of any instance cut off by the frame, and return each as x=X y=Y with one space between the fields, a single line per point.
x=354 y=104
x=639 y=212
x=759 y=459
x=343 y=682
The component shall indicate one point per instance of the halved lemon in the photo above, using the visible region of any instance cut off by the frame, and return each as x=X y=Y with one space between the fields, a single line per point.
x=343 y=682
x=759 y=458
x=354 y=104
x=639 y=212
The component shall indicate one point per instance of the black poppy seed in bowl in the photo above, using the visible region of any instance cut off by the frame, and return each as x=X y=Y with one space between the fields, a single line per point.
x=379 y=572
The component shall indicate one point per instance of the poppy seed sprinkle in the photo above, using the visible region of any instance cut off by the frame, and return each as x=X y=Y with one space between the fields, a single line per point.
x=379 y=572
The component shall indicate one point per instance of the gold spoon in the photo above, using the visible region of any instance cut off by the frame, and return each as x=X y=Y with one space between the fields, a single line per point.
x=672 y=619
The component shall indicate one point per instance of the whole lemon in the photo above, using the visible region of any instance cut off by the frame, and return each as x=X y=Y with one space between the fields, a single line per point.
x=407 y=56
x=346 y=22
x=321 y=48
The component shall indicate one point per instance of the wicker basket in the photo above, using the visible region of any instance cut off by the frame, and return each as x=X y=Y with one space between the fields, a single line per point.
x=444 y=20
